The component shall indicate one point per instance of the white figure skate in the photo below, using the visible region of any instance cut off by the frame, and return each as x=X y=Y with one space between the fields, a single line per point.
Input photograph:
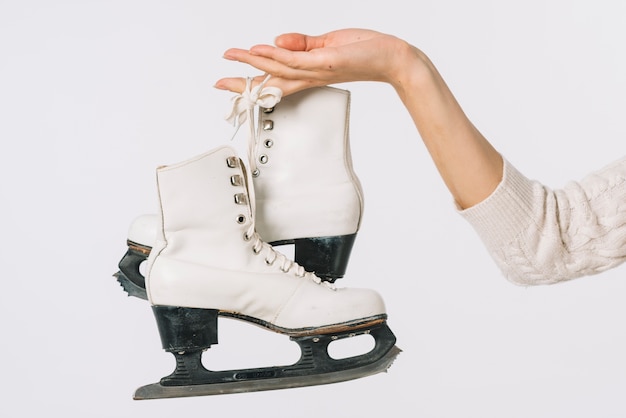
x=208 y=261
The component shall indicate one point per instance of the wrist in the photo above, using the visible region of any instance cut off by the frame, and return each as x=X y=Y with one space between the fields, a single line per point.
x=411 y=70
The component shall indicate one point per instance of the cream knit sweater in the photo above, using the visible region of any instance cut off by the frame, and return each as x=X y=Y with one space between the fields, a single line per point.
x=542 y=236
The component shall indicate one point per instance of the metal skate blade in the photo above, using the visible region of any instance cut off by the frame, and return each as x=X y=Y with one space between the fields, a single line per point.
x=157 y=391
x=131 y=288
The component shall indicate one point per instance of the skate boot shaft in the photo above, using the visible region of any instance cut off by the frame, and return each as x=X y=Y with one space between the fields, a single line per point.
x=304 y=179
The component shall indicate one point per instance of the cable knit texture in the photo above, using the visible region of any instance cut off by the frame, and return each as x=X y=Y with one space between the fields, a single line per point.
x=541 y=236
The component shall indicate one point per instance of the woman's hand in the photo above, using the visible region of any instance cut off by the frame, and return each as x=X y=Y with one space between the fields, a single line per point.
x=299 y=61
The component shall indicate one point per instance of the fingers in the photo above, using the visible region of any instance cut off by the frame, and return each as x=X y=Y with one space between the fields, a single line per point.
x=297 y=61
x=260 y=57
x=279 y=62
x=238 y=84
x=234 y=84
x=236 y=54
x=291 y=86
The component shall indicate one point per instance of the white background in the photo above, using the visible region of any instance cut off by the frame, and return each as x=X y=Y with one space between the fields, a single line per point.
x=95 y=94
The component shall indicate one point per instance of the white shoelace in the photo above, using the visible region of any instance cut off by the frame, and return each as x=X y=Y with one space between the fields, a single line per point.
x=273 y=256
x=243 y=108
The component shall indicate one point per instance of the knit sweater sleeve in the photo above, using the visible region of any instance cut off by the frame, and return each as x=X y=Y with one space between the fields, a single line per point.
x=541 y=236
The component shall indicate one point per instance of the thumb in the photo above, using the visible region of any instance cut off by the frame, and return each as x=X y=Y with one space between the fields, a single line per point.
x=292 y=41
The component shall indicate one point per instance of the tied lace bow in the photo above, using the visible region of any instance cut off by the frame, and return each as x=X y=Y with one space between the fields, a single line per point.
x=244 y=103
x=243 y=109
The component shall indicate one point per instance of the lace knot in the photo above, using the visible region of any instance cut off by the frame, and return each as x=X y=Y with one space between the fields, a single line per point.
x=243 y=110
x=243 y=104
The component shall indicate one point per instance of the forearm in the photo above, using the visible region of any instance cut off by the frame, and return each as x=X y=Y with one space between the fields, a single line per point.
x=468 y=164
x=537 y=235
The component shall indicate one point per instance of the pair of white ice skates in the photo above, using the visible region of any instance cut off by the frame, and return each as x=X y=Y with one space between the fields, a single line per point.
x=207 y=252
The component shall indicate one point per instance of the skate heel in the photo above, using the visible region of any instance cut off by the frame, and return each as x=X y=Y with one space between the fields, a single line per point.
x=186 y=329
x=326 y=256
x=186 y=333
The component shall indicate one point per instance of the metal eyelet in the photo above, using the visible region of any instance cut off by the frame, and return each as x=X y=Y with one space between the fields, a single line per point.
x=254 y=250
x=268 y=262
x=236 y=180
x=241 y=219
x=232 y=162
x=268 y=143
x=246 y=237
x=256 y=173
x=263 y=159
x=241 y=199
x=268 y=109
x=268 y=125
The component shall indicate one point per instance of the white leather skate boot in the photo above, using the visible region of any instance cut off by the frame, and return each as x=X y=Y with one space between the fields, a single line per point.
x=208 y=261
x=307 y=191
